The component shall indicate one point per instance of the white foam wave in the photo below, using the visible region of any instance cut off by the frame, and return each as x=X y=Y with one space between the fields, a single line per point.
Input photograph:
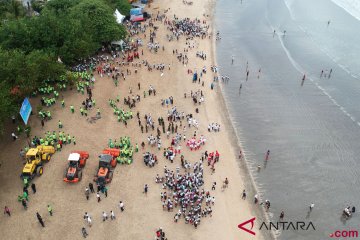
x=350 y=6
x=301 y=70
x=288 y=4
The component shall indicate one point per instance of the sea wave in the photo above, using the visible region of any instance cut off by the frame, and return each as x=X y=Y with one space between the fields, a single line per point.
x=350 y=6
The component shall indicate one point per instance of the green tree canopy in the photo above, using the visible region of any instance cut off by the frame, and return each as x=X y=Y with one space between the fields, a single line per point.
x=11 y=9
x=30 y=46
x=122 y=5
x=97 y=18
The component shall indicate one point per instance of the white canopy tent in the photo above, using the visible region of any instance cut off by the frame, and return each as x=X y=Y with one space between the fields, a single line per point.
x=74 y=157
x=119 y=17
x=119 y=43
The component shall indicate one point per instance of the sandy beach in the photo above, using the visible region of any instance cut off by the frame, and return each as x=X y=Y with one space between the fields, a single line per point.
x=143 y=213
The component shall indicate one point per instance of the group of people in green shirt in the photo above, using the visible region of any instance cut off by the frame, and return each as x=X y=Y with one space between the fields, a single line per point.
x=126 y=149
x=122 y=115
x=55 y=139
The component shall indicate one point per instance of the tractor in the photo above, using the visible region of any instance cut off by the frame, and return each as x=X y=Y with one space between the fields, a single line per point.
x=114 y=153
x=34 y=161
x=107 y=163
x=76 y=162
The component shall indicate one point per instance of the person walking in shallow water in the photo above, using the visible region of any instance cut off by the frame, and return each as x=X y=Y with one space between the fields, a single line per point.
x=311 y=207
x=267 y=155
x=282 y=214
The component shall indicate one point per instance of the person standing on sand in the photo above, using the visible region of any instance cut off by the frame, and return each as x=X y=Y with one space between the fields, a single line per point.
x=7 y=211
x=105 y=191
x=91 y=187
x=33 y=187
x=86 y=216
x=14 y=136
x=146 y=189
x=104 y=216
x=87 y=193
x=121 y=206
x=243 y=195
x=112 y=215
x=24 y=203
x=40 y=219
x=84 y=233
x=226 y=182
x=89 y=221
x=213 y=186
x=50 y=210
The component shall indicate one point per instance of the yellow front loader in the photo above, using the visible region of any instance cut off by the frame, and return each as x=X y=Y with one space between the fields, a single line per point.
x=34 y=161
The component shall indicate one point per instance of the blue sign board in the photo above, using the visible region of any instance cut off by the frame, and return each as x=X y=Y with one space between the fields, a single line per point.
x=135 y=11
x=25 y=110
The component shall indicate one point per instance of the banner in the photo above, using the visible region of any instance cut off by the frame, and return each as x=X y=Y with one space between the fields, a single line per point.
x=25 y=110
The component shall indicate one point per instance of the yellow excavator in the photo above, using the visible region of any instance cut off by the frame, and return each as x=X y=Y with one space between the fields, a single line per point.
x=34 y=161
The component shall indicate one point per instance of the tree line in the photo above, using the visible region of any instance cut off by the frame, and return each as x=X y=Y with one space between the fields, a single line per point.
x=30 y=45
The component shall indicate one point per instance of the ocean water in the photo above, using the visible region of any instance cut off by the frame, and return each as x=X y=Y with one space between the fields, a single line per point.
x=312 y=129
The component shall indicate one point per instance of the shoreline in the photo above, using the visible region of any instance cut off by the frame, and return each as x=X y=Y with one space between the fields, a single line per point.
x=243 y=163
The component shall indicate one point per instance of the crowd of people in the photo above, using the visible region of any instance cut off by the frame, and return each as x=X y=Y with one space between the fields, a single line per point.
x=213 y=127
x=150 y=159
x=184 y=191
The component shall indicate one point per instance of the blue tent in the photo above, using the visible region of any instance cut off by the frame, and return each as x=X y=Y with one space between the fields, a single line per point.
x=135 y=11
x=144 y=1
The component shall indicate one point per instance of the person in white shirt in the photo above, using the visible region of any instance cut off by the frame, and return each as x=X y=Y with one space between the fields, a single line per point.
x=89 y=221
x=112 y=215
x=104 y=216
x=14 y=136
x=121 y=206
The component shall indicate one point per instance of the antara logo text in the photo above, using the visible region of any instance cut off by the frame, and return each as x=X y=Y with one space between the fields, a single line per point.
x=248 y=225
